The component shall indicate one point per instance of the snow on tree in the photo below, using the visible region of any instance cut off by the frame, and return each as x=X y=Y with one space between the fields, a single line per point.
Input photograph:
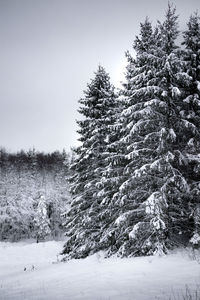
x=111 y=177
x=137 y=202
x=136 y=227
x=173 y=137
x=42 y=220
x=85 y=219
x=191 y=115
x=122 y=207
x=150 y=204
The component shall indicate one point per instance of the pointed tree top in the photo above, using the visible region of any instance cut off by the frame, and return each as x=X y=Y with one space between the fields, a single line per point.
x=144 y=40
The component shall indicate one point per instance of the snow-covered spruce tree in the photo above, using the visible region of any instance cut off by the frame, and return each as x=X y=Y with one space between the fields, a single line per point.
x=191 y=114
x=176 y=128
x=140 y=226
x=121 y=165
x=153 y=197
x=42 y=220
x=84 y=219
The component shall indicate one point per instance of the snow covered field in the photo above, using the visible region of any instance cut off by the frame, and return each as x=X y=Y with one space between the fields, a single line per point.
x=93 y=278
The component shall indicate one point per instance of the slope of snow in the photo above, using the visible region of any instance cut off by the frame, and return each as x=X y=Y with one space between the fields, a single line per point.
x=93 y=278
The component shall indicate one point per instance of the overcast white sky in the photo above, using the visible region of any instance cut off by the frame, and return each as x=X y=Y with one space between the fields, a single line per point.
x=49 y=50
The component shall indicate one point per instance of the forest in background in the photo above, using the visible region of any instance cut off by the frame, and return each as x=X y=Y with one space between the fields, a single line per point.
x=33 y=194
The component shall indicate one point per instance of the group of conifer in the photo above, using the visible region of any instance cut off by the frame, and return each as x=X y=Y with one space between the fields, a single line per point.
x=136 y=175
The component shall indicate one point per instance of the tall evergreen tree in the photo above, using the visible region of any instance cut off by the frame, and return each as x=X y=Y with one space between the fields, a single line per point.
x=140 y=226
x=150 y=218
x=173 y=137
x=124 y=203
x=83 y=220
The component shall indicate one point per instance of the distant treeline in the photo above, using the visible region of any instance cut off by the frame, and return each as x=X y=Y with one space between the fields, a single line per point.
x=33 y=194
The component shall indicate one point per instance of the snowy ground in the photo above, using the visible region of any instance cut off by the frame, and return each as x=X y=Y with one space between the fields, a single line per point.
x=93 y=278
